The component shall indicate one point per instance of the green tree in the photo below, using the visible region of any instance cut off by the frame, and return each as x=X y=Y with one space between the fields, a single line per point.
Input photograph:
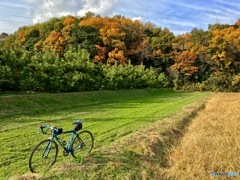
x=85 y=36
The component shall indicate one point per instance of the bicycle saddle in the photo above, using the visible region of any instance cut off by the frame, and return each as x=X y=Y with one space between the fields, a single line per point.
x=78 y=125
x=77 y=122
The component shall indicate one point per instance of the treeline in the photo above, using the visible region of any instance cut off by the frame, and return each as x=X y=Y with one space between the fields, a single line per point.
x=23 y=70
x=93 y=52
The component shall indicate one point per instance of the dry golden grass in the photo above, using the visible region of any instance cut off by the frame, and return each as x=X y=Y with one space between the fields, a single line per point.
x=212 y=142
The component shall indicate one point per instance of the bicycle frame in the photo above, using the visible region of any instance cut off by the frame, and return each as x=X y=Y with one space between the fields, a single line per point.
x=68 y=148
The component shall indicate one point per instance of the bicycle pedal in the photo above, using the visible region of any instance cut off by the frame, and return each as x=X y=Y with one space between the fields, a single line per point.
x=65 y=153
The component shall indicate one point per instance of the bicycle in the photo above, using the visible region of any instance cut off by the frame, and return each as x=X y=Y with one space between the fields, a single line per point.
x=44 y=155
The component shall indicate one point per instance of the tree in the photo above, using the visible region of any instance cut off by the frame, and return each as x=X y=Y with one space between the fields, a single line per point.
x=133 y=37
x=237 y=23
x=156 y=48
x=200 y=41
x=22 y=34
x=101 y=54
x=185 y=63
x=55 y=42
x=45 y=28
x=12 y=61
x=96 y=22
x=31 y=39
x=69 y=22
x=112 y=37
x=11 y=40
x=89 y=14
x=85 y=36
x=3 y=36
x=117 y=56
x=225 y=49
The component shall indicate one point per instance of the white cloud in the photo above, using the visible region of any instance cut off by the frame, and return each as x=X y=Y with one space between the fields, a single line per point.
x=56 y=8
x=102 y=7
x=137 y=18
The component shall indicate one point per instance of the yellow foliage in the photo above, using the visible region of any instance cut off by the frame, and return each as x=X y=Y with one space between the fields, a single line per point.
x=22 y=37
x=66 y=31
x=38 y=45
x=224 y=43
x=117 y=56
x=69 y=21
x=96 y=22
x=55 y=42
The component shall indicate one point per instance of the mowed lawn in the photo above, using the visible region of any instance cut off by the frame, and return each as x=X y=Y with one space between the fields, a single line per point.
x=109 y=115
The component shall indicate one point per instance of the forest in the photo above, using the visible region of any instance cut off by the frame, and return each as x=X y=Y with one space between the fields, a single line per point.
x=93 y=53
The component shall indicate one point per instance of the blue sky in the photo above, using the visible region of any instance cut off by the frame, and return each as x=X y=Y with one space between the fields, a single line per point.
x=179 y=16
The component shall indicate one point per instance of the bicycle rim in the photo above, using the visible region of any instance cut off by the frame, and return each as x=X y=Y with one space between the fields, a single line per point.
x=82 y=144
x=43 y=156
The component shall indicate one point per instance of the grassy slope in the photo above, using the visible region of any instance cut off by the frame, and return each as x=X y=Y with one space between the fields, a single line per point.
x=110 y=115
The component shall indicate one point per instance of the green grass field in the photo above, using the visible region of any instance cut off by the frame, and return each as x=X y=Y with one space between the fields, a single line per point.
x=109 y=115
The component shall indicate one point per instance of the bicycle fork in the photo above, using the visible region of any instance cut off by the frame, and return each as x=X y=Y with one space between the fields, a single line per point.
x=47 y=149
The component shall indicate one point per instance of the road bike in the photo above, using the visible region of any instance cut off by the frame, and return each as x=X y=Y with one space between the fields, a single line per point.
x=44 y=155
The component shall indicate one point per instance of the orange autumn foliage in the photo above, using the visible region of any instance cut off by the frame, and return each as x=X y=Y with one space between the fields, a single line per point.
x=55 y=42
x=184 y=62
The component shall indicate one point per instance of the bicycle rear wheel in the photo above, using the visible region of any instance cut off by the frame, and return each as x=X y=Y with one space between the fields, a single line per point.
x=82 y=144
x=43 y=156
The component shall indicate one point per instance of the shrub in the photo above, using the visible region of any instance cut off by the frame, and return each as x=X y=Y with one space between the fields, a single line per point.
x=162 y=80
x=129 y=76
x=236 y=83
x=218 y=82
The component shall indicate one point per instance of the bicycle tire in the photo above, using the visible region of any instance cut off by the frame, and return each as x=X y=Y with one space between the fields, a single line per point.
x=82 y=144
x=46 y=148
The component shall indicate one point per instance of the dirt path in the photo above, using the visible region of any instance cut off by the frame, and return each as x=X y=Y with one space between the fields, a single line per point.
x=212 y=142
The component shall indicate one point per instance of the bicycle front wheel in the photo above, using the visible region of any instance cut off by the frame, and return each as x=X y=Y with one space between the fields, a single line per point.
x=82 y=144
x=43 y=156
